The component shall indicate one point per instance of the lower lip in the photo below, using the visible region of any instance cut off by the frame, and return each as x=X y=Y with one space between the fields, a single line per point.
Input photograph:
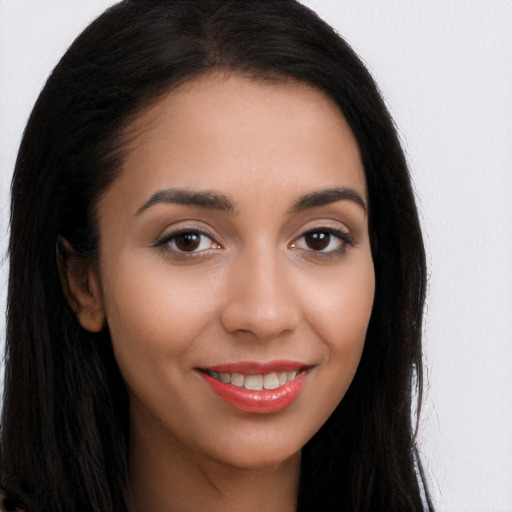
x=264 y=401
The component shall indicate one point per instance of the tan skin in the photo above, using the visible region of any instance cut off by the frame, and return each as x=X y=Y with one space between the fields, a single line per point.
x=265 y=275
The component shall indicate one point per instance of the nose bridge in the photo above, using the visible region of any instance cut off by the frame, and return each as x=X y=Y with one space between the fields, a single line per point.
x=261 y=298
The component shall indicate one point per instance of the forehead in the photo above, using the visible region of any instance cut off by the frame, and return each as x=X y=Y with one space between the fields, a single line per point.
x=231 y=132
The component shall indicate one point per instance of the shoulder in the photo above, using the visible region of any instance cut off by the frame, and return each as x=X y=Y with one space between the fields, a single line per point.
x=9 y=504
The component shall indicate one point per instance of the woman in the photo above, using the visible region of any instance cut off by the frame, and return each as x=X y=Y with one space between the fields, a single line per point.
x=217 y=273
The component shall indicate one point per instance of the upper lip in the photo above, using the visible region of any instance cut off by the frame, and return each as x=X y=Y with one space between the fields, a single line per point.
x=256 y=367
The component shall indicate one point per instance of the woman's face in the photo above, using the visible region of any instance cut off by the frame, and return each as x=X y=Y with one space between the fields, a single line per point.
x=235 y=270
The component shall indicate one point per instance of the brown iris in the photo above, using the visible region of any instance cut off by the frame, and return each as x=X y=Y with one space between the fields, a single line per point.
x=187 y=241
x=317 y=240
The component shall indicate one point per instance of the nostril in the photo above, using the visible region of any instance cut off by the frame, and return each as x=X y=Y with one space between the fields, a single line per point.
x=260 y=300
x=263 y=321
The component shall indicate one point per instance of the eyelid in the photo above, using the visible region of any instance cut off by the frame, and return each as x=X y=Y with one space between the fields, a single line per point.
x=163 y=241
x=343 y=235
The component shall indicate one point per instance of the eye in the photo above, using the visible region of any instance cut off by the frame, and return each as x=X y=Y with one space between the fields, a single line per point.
x=187 y=241
x=324 y=240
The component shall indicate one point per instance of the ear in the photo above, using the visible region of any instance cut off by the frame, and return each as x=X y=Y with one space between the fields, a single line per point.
x=81 y=286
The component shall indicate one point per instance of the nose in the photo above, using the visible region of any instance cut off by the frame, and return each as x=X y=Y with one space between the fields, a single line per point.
x=260 y=299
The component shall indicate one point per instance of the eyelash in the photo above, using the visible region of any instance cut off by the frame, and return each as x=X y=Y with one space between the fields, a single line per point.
x=345 y=239
x=165 y=242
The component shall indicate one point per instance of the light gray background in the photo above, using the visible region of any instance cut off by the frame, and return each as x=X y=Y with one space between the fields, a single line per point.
x=445 y=68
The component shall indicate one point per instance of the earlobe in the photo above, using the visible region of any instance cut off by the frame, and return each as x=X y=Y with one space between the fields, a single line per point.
x=81 y=286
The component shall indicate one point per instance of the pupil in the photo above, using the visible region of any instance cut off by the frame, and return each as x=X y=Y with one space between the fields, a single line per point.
x=188 y=241
x=318 y=240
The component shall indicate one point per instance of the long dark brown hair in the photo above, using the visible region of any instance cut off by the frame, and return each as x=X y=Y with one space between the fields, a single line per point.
x=64 y=426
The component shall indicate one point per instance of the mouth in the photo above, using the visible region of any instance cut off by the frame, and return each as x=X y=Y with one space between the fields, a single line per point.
x=257 y=382
x=257 y=387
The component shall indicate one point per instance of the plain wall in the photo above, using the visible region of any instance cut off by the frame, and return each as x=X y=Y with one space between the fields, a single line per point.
x=445 y=69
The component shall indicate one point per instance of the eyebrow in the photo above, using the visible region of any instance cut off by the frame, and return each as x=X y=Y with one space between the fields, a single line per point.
x=328 y=196
x=205 y=199
x=212 y=200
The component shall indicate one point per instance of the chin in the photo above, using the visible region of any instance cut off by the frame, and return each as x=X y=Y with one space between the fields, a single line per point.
x=261 y=454
x=261 y=461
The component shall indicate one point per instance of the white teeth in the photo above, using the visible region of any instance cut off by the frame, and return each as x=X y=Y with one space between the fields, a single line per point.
x=237 y=379
x=291 y=375
x=271 y=381
x=254 y=382
x=224 y=377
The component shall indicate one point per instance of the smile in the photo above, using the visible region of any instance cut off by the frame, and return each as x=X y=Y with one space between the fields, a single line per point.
x=257 y=388
x=271 y=380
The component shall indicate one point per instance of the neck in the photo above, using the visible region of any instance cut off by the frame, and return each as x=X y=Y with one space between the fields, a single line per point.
x=171 y=478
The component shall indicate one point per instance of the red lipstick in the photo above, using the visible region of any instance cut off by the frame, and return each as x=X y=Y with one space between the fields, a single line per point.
x=254 y=368
x=257 y=401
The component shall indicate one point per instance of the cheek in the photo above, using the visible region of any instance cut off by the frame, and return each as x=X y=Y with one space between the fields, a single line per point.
x=339 y=313
x=340 y=303
x=155 y=312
